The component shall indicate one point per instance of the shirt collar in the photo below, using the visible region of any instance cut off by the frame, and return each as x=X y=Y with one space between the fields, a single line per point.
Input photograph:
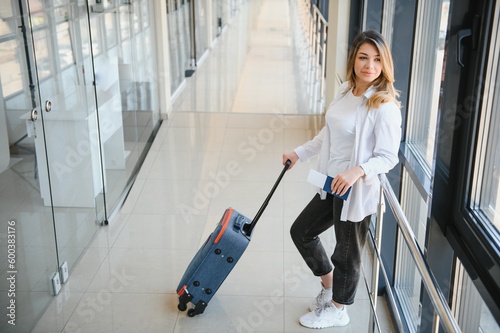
x=369 y=92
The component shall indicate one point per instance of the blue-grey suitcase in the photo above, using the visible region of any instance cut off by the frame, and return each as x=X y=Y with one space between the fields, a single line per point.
x=216 y=258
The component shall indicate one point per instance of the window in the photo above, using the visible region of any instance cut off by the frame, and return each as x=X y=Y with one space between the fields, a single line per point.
x=124 y=22
x=66 y=47
x=10 y=67
x=475 y=223
x=111 y=31
x=468 y=307
x=407 y=280
x=428 y=59
x=486 y=195
x=43 y=62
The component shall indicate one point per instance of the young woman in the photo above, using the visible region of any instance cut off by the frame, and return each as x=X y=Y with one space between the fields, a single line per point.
x=359 y=141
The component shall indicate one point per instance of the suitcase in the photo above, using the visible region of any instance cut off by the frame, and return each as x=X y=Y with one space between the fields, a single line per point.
x=219 y=254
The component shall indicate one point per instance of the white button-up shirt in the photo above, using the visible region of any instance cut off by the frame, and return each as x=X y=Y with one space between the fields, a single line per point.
x=376 y=145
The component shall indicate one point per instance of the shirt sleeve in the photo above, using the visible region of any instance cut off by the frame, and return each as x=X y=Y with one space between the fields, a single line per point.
x=387 y=134
x=311 y=148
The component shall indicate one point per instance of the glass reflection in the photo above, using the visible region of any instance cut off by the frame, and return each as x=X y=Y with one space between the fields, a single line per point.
x=486 y=190
x=125 y=74
x=66 y=54
x=95 y=136
x=22 y=211
x=43 y=63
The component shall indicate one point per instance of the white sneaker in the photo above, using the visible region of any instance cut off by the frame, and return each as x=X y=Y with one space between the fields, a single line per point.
x=328 y=316
x=324 y=297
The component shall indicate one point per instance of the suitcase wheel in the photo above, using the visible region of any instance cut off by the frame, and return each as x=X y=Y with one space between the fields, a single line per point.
x=184 y=298
x=199 y=308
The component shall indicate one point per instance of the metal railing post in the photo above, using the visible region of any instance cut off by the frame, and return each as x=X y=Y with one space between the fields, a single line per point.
x=376 y=261
x=324 y=36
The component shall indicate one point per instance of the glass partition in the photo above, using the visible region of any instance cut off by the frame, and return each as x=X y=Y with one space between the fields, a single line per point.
x=200 y=29
x=126 y=88
x=179 y=42
x=78 y=108
x=45 y=153
x=68 y=157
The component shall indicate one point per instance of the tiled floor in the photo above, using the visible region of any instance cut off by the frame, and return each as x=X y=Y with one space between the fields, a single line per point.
x=221 y=147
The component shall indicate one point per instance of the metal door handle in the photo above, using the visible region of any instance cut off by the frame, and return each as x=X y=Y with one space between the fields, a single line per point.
x=48 y=106
x=460 y=36
x=34 y=115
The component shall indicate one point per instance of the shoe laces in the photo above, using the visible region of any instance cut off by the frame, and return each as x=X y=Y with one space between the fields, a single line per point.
x=320 y=296
x=322 y=308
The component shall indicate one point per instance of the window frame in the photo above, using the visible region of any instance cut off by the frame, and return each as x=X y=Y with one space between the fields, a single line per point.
x=473 y=244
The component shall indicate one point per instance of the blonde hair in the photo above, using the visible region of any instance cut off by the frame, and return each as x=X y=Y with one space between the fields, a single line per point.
x=384 y=84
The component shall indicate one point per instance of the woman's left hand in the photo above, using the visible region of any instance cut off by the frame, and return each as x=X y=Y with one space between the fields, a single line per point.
x=346 y=179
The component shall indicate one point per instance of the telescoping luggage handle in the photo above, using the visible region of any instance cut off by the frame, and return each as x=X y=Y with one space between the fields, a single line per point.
x=247 y=228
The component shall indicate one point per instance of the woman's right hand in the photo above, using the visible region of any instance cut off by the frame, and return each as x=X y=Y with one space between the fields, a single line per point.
x=293 y=157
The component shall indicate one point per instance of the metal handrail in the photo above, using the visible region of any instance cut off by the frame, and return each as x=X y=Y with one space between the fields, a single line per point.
x=314 y=31
x=318 y=44
x=390 y=295
x=310 y=47
x=430 y=283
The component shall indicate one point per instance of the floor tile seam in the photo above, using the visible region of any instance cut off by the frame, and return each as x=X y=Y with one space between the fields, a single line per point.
x=195 y=127
x=159 y=214
x=202 y=237
x=153 y=162
x=86 y=252
x=124 y=223
x=131 y=292
x=111 y=246
x=68 y=321
x=238 y=294
x=196 y=179
x=167 y=218
x=284 y=114
x=264 y=116
x=106 y=258
x=136 y=182
x=156 y=248
x=283 y=219
x=82 y=293
x=142 y=249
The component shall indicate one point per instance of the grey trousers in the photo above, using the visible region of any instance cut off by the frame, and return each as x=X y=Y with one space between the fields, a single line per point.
x=318 y=216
